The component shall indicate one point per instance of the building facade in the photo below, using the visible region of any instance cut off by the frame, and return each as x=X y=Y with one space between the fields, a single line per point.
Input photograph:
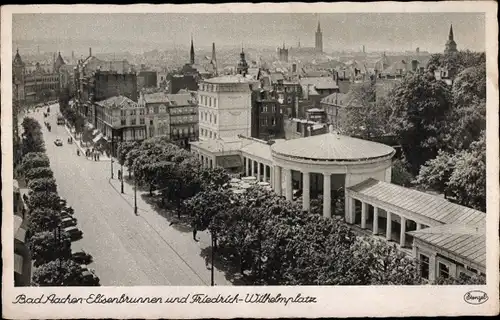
x=267 y=117
x=225 y=107
x=174 y=116
x=282 y=54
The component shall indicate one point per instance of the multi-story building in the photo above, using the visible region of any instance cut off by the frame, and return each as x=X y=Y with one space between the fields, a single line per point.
x=119 y=119
x=282 y=54
x=36 y=82
x=334 y=106
x=225 y=107
x=147 y=79
x=174 y=116
x=267 y=117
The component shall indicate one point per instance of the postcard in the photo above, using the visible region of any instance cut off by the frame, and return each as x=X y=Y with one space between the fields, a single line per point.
x=250 y=160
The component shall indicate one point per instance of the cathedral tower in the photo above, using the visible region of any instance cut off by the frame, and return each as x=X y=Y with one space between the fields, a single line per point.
x=451 y=45
x=191 y=52
x=319 y=39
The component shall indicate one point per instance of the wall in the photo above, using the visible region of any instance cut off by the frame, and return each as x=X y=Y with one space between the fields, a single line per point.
x=108 y=85
x=234 y=113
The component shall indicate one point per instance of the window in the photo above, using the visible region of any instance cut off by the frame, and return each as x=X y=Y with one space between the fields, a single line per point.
x=215 y=119
x=444 y=270
x=151 y=122
x=141 y=121
x=132 y=122
x=210 y=118
x=273 y=121
x=123 y=122
x=141 y=112
x=210 y=134
x=424 y=266
x=215 y=102
x=289 y=99
x=464 y=275
x=274 y=109
x=209 y=101
x=156 y=109
x=264 y=109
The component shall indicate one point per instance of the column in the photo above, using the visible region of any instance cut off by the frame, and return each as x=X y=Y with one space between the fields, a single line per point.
x=402 y=235
x=271 y=176
x=277 y=180
x=252 y=168
x=419 y=226
x=247 y=171
x=306 y=195
x=288 y=184
x=258 y=171
x=352 y=210
x=388 y=228
x=375 y=220
x=327 y=194
x=363 y=215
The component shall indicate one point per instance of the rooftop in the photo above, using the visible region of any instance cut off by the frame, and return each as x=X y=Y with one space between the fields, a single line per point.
x=335 y=99
x=424 y=204
x=332 y=147
x=229 y=79
x=466 y=241
x=319 y=82
x=120 y=102
x=178 y=99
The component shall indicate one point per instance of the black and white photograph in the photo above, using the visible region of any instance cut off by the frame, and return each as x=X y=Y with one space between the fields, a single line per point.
x=235 y=150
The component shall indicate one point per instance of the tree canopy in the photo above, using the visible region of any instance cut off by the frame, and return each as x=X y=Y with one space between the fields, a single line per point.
x=420 y=104
x=38 y=173
x=59 y=273
x=43 y=219
x=43 y=184
x=32 y=139
x=44 y=247
x=43 y=199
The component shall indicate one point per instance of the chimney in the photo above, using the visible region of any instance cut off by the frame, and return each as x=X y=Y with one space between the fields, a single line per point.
x=90 y=52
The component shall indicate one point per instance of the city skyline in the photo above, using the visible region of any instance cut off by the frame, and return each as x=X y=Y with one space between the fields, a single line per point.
x=341 y=31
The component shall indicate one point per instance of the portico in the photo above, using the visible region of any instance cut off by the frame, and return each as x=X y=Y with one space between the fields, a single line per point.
x=326 y=164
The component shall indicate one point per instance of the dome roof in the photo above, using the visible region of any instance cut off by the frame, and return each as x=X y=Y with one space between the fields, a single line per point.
x=332 y=147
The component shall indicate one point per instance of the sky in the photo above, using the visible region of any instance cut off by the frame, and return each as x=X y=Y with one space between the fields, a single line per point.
x=341 y=31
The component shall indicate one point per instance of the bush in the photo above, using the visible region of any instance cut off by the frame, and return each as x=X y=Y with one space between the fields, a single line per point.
x=44 y=248
x=38 y=173
x=43 y=184
x=400 y=174
x=59 y=273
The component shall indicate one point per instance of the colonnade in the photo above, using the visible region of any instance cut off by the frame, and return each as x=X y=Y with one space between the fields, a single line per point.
x=258 y=169
x=390 y=218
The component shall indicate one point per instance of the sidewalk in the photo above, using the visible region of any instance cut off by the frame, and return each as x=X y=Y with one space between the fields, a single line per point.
x=181 y=241
x=82 y=149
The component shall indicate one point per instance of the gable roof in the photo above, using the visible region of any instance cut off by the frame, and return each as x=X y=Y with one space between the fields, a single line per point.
x=421 y=203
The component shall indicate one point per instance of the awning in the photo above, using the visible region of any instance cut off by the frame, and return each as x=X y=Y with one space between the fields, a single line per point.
x=97 y=138
x=18 y=264
x=229 y=162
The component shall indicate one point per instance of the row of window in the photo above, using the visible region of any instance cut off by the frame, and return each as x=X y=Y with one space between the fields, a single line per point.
x=182 y=119
x=265 y=121
x=266 y=109
x=208 y=117
x=443 y=269
x=208 y=133
x=207 y=101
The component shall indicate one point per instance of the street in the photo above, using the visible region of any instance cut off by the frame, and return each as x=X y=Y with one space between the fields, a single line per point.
x=128 y=249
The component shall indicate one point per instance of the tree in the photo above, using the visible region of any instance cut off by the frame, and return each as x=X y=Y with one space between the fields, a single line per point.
x=436 y=172
x=366 y=116
x=463 y=126
x=43 y=184
x=400 y=174
x=420 y=104
x=470 y=85
x=33 y=162
x=44 y=199
x=59 y=273
x=461 y=280
x=123 y=149
x=212 y=177
x=38 y=173
x=460 y=176
x=43 y=219
x=456 y=60
x=44 y=248
x=467 y=182
x=32 y=140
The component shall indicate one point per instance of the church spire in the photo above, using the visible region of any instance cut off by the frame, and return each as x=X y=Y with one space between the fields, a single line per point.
x=214 y=59
x=319 y=27
x=450 y=36
x=191 y=52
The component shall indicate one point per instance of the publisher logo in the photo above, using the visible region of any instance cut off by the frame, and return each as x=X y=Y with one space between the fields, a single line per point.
x=476 y=297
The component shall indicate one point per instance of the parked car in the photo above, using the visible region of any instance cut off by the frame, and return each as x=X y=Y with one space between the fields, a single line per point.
x=68 y=211
x=68 y=222
x=90 y=279
x=62 y=202
x=58 y=142
x=74 y=233
x=82 y=257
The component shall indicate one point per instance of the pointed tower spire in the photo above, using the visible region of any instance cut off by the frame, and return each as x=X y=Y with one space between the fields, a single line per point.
x=191 y=52
x=319 y=26
x=450 y=36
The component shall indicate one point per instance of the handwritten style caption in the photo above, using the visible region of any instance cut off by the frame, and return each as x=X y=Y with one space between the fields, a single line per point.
x=198 y=298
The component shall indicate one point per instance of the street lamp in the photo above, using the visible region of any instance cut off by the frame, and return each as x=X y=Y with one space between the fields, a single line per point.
x=135 y=193
x=212 y=282
x=121 y=177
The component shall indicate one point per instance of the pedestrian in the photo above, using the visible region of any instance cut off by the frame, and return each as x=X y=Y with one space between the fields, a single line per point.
x=119 y=174
x=98 y=156
x=194 y=234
